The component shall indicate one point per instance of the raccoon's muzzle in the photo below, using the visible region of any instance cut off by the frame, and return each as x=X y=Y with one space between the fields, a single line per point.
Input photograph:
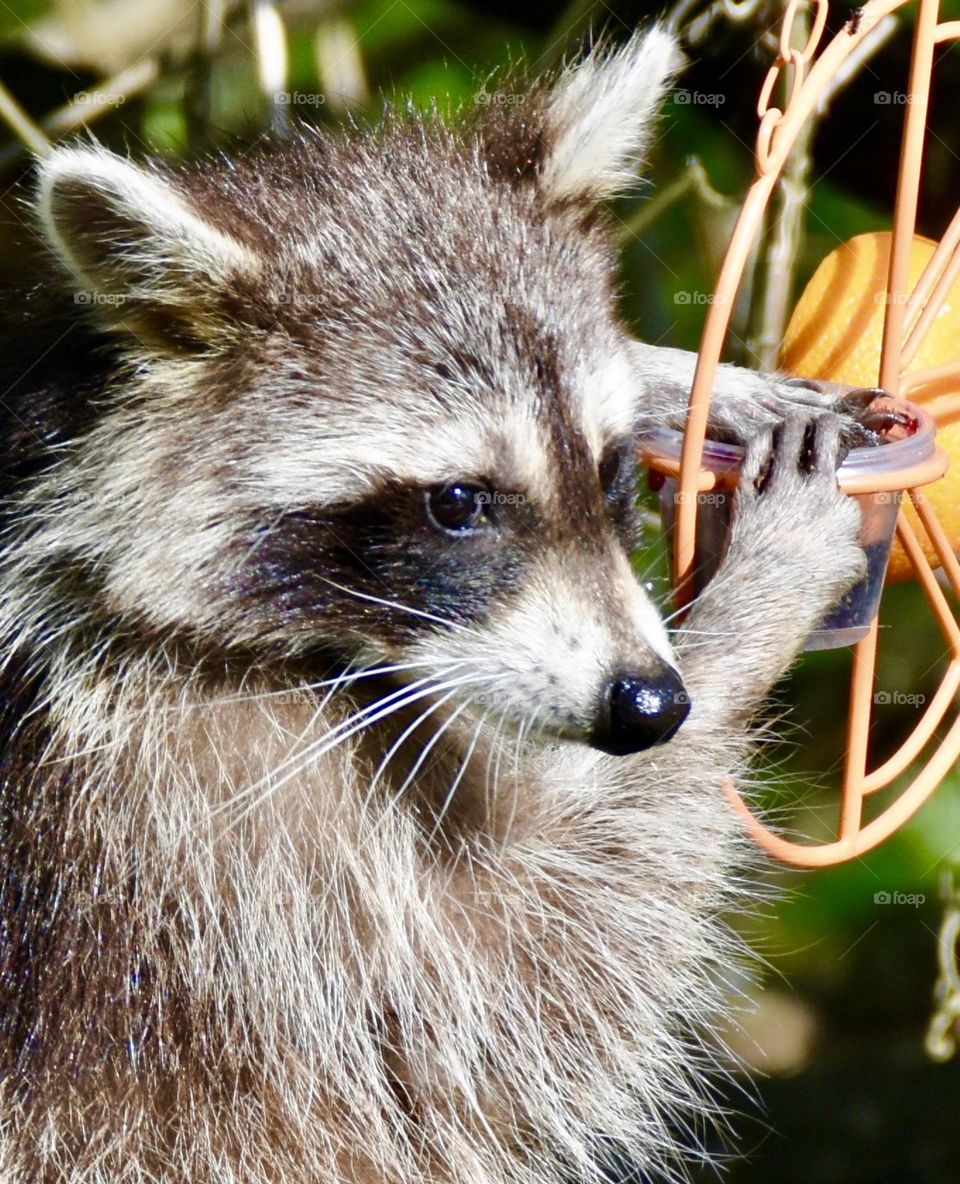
x=638 y=711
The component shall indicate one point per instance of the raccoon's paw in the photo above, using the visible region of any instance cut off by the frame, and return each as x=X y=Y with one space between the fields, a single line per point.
x=774 y=398
x=790 y=511
x=862 y=425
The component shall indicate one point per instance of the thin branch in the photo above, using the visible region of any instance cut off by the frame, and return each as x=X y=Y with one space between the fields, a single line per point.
x=196 y=95
x=340 y=69
x=693 y=180
x=22 y=125
x=695 y=22
x=89 y=105
x=272 y=60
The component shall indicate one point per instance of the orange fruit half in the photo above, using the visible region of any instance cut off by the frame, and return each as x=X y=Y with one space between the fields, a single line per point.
x=835 y=334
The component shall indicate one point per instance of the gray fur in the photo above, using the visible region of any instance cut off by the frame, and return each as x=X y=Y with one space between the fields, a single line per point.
x=251 y=941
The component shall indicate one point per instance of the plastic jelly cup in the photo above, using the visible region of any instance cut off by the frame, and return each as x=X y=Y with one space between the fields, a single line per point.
x=875 y=476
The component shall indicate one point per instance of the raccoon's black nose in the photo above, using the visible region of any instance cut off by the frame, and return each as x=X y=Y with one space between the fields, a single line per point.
x=640 y=710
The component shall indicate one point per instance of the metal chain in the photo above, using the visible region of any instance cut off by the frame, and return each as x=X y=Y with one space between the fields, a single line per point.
x=798 y=60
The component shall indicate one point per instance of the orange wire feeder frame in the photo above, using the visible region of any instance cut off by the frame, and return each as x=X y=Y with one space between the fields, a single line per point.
x=908 y=316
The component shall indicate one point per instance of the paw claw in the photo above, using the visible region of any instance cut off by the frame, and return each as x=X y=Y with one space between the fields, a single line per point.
x=862 y=398
x=804 y=448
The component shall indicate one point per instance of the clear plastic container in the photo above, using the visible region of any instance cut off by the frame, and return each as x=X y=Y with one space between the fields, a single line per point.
x=875 y=476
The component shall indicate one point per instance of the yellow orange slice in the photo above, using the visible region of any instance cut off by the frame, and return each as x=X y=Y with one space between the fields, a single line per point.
x=835 y=333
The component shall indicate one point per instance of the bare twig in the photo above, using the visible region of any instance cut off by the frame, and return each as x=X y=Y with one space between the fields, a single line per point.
x=693 y=180
x=22 y=125
x=695 y=21
x=270 y=51
x=340 y=70
x=89 y=105
x=196 y=95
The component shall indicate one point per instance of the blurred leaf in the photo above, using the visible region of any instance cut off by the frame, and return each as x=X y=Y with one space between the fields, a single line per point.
x=164 y=125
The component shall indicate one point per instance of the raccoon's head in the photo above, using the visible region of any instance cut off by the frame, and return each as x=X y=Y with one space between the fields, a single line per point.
x=376 y=400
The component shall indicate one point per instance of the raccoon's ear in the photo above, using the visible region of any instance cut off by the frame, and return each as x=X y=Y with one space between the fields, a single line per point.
x=599 y=116
x=142 y=256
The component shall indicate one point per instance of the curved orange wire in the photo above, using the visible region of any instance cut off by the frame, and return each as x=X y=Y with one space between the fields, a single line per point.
x=937 y=387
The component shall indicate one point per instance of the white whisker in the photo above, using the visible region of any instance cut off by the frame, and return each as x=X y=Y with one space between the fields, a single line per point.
x=297 y=756
x=464 y=765
x=425 y=752
x=515 y=795
x=404 y=608
x=336 y=736
x=345 y=678
x=398 y=744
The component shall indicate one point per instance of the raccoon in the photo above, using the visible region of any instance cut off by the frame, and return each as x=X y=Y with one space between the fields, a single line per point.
x=361 y=819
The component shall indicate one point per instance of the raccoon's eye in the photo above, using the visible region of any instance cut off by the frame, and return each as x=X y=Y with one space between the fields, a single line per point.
x=609 y=469
x=458 y=506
